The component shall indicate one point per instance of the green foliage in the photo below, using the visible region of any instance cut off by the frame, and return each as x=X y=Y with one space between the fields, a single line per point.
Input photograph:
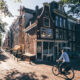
x=2 y=27
x=2 y=3
x=69 y=1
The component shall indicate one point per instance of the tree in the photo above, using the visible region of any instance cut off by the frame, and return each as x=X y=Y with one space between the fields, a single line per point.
x=3 y=10
x=74 y=5
x=70 y=1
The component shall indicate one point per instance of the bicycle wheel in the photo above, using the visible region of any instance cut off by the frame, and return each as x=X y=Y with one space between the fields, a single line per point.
x=55 y=70
x=70 y=74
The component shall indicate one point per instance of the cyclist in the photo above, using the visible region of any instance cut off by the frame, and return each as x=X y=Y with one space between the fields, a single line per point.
x=65 y=60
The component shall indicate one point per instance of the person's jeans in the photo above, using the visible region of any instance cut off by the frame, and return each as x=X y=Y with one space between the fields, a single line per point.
x=63 y=65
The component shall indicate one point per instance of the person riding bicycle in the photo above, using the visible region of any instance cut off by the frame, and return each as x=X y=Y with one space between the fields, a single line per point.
x=65 y=60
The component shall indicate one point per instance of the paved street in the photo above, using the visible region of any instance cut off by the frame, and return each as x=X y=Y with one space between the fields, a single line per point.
x=10 y=69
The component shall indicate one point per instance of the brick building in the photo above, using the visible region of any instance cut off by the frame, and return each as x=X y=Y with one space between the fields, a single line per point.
x=44 y=31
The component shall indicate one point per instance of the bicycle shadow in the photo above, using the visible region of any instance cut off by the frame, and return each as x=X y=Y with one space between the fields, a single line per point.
x=15 y=75
x=64 y=77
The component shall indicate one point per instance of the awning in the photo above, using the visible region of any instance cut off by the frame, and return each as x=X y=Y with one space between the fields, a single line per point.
x=17 y=47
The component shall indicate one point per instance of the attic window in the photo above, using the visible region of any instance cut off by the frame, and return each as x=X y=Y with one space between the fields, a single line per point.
x=46 y=22
x=46 y=14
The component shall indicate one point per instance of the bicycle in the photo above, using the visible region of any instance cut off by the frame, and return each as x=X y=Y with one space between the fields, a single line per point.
x=67 y=71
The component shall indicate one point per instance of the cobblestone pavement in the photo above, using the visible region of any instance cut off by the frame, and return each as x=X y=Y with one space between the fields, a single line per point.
x=10 y=69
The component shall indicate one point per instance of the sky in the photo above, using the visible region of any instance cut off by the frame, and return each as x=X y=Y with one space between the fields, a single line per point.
x=14 y=6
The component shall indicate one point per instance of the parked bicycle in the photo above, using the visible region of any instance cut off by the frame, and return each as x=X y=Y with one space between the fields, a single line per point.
x=67 y=71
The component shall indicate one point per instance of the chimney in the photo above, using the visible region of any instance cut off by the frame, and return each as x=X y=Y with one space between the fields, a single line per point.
x=46 y=4
x=37 y=10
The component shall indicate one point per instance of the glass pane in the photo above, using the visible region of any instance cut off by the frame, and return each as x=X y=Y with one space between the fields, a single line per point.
x=49 y=33
x=39 y=50
x=51 y=48
x=45 y=48
x=56 y=20
x=60 y=22
x=46 y=22
x=39 y=47
x=43 y=32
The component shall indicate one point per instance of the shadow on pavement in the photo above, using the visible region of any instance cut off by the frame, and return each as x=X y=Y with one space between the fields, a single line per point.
x=15 y=75
x=74 y=63
x=43 y=62
x=3 y=57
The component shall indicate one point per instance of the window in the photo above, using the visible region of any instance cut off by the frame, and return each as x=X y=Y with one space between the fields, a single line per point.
x=39 y=47
x=43 y=32
x=46 y=33
x=60 y=22
x=46 y=14
x=46 y=22
x=56 y=20
x=64 y=23
x=45 y=47
x=65 y=35
x=61 y=34
x=39 y=50
x=69 y=25
x=73 y=36
x=70 y=36
x=49 y=33
x=57 y=34
x=51 y=48
x=72 y=26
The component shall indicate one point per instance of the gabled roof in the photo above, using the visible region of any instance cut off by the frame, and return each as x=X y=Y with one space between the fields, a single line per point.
x=28 y=10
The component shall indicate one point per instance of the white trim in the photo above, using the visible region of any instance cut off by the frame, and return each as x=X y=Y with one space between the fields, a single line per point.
x=58 y=13
x=41 y=13
x=58 y=41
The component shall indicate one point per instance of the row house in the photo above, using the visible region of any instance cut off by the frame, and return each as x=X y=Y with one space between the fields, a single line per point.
x=44 y=31
x=51 y=30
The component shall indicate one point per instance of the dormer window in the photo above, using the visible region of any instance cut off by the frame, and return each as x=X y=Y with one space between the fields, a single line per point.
x=46 y=22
